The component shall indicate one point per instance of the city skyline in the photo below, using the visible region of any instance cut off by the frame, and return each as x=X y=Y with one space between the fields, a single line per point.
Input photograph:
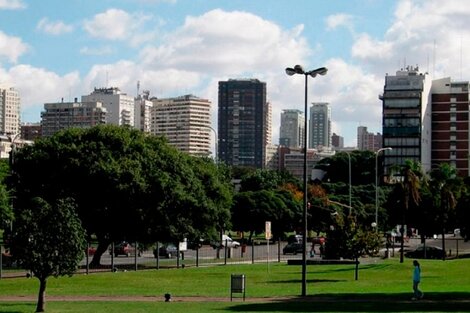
x=52 y=49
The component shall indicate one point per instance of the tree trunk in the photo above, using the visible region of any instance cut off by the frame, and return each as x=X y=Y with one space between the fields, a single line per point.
x=100 y=250
x=443 y=244
x=42 y=295
x=402 y=244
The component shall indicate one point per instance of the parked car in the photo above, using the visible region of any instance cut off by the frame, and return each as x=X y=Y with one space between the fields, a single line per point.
x=229 y=241
x=432 y=252
x=225 y=240
x=293 y=248
x=167 y=250
x=91 y=250
x=124 y=248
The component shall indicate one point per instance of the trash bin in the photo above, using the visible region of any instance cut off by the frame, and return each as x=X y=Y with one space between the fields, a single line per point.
x=237 y=285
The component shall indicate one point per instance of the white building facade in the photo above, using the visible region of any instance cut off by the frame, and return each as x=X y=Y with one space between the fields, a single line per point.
x=119 y=106
x=185 y=121
x=9 y=110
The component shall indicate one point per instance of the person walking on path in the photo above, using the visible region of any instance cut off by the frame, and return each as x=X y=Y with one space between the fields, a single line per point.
x=418 y=294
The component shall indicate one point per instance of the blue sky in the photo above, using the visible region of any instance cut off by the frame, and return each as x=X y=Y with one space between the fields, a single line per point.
x=53 y=49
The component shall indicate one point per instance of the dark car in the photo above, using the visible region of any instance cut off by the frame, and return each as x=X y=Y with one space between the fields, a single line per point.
x=431 y=253
x=124 y=248
x=293 y=248
x=167 y=250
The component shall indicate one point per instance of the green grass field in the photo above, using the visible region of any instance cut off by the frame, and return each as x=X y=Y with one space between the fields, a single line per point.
x=383 y=286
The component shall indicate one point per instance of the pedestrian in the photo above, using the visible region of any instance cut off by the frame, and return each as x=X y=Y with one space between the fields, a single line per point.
x=418 y=294
x=312 y=250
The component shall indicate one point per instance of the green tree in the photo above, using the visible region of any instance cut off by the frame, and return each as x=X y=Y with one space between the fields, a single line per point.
x=362 y=167
x=446 y=187
x=128 y=185
x=251 y=209
x=408 y=193
x=6 y=212
x=266 y=180
x=48 y=240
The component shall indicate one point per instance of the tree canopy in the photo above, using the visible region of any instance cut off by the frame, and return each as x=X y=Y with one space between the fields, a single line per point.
x=127 y=185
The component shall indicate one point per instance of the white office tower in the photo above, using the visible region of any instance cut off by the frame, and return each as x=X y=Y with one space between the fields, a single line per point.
x=9 y=110
x=320 y=125
x=292 y=131
x=119 y=106
x=142 y=107
x=185 y=121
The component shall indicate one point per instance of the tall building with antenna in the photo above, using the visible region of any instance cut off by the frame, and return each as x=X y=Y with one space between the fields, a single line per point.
x=406 y=118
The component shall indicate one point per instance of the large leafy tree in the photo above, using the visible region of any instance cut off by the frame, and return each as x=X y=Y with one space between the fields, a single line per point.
x=48 y=240
x=251 y=209
x=337 y=167
x=127 y=185
x=267 y=195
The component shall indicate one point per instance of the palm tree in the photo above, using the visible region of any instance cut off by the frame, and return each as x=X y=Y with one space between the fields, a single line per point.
x=409 y=187
x=446 y=187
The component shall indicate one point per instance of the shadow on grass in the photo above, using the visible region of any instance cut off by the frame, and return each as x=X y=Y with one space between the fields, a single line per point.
x=13 y=308
x=400 y=302
x=309 y=281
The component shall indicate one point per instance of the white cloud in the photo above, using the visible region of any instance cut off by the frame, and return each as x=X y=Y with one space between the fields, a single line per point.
x=104 y=50
x=366 y=48
x=119 y=25
x=46 y=86
x=53 y=28
x=339 y=20
x=224 y=43
x=11 y=48
x=12 y=4
x=431 y=34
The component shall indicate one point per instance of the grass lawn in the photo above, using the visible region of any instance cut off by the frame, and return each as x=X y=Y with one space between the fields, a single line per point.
x=383 y=286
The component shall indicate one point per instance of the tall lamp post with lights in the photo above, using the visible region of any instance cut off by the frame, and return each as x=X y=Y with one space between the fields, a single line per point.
x=298 y=69
x=377 y=186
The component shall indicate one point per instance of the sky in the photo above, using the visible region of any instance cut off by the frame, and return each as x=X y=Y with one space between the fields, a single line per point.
x=54 y=49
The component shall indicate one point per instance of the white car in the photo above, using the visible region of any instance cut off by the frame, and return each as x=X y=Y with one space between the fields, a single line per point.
x=229 y=241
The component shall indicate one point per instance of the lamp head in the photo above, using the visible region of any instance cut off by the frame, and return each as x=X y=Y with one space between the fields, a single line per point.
x=299 y=69
x=290 y=71
x=318 y=71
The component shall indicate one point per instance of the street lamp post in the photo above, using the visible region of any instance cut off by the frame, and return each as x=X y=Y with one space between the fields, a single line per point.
x=377 y=186
x=298 y=69
x=350 y=193
x=216 y=142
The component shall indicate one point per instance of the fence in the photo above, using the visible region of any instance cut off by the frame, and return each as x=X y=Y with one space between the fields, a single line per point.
x=136 y=259
x=205 y=255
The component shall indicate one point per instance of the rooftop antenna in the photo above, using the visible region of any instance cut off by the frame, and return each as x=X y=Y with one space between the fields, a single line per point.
x=138 y=87
x=106 y=79
x=434 y=58
x=460 y=56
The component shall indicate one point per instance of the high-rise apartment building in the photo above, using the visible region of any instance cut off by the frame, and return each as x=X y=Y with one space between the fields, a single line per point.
x=142 y=108
x=406 y=118
x=185 y=121
x=63 y=115
x=367 y=140
x=337 y=141
x=450 y=124
x=320 y=125
x=243 y=122
x=119 y=106
x=292 y=130
x=9 y=110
